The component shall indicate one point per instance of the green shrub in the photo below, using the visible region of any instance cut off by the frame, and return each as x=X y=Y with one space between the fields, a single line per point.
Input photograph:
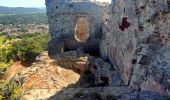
x=11 y=91
x=24 y=47
x=5 y=48
x=28 y=47
x=1 y=97
x=3 y=68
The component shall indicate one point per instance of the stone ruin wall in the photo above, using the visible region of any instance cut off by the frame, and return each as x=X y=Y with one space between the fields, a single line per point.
x=135 y=37
x=64 y=16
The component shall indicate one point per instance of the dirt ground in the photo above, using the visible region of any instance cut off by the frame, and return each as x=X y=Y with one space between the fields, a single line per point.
x=14 y=69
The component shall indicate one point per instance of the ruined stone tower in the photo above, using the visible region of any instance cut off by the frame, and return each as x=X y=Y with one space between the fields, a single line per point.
x=78 y=23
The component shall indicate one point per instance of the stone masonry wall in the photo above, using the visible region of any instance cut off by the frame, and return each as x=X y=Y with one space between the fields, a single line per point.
x=136 y=38
x=63 y=16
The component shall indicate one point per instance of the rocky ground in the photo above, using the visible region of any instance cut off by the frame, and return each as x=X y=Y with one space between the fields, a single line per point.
x=76 y=76
x=64 y=70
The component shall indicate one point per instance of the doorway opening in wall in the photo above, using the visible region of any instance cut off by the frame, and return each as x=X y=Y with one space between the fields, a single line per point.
x=81 y=29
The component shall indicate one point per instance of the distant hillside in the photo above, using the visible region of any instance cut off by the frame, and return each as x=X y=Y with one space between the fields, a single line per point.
x=16 y=19
x=20 y=10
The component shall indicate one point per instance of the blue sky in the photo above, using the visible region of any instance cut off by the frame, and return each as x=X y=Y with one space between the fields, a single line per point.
x=22 y=3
